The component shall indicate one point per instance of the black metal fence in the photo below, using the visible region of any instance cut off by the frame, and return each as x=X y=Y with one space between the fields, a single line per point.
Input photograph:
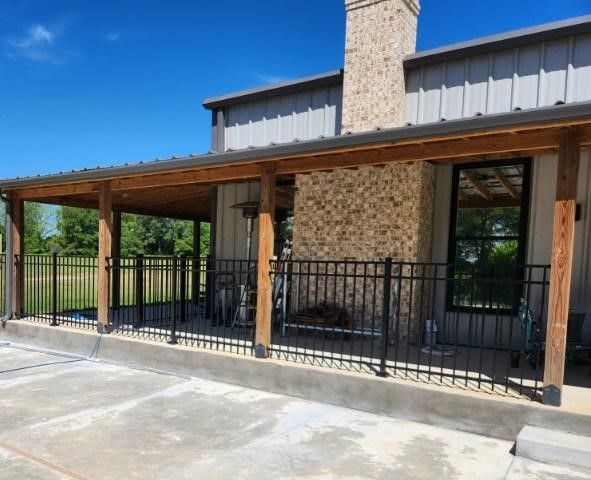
x=59 y=289
x=423 y=321
x=192 y=301
x=2 y=283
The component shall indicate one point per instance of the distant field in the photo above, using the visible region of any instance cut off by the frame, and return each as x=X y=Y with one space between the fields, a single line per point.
x=77 y=283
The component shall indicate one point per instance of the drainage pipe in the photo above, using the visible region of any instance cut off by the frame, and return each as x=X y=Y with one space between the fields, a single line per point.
x=9 y=260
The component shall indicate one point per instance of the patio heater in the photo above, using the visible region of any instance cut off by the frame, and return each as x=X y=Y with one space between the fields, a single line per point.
x=250 y=211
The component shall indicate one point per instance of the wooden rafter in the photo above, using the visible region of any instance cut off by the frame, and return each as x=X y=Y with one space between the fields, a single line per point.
x=479 y=202
x=501 y=177
x=478 y=185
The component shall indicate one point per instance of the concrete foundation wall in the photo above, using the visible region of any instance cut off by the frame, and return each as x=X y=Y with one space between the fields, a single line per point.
x=471 y=412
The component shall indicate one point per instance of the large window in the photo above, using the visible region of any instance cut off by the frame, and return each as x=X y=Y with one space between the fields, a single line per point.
x=488 y=233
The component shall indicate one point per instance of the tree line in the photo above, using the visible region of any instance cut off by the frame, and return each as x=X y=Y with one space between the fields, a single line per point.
x=74 y=231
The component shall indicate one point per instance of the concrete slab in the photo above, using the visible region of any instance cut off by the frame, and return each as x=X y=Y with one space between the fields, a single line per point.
x=446 y=407
x=16 y=467
x=551 y=446
x=86 y=419
x=525 y=469
x=105 y=421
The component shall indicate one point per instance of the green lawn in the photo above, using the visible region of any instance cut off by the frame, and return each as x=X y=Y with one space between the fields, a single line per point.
x=77 y=283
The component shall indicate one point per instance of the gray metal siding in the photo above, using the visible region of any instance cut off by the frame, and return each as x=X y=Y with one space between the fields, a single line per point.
x=538 y=75
x=302 y=115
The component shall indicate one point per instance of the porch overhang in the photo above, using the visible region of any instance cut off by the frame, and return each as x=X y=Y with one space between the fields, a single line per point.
x=183 y=183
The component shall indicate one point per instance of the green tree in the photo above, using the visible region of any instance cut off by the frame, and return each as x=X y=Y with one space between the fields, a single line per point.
x=77 y=234
x=205 y=239
x=37 y=227
x=77 y=231
x=132 y=235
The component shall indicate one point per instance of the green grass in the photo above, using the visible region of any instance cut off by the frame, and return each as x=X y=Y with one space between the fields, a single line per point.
x=77 y=285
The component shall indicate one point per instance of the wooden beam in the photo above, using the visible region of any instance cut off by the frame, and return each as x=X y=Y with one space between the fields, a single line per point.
x=116 y=264
x=201 y=176
x=563 y=236
x=105 y=241
x=18 y=245
x=429 y=151
x=478 y=186
x=478 y=202
x=462 y=197
x=266 y=244
x=501 y=177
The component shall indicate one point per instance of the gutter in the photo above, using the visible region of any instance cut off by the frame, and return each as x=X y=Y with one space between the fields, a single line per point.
x=9 y=263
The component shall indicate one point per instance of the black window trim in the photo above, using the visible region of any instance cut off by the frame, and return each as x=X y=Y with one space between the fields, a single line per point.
x=523 y=227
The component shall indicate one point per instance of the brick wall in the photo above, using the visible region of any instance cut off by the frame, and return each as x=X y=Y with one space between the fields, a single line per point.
x=365 y=214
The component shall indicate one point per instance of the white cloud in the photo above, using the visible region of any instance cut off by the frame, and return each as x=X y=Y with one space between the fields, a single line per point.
x=36 y=36
x=112 y=37
x=35 y=43
x=270 y=78
x=42 y=42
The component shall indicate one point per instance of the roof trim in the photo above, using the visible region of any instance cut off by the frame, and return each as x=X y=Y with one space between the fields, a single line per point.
x=334 y=77
x=511 y=39
x=518 y=119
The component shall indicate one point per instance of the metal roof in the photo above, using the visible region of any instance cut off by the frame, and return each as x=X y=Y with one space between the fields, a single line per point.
x=328 y=78
x=490 y=43
x=481 y=45
x=537 y=116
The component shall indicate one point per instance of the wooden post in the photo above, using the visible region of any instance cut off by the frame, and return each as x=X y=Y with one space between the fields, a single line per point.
x=562 y=258
x=196 y=264
x=105 y=239
x=266 y=244
x=18 y=246
x=116 y=264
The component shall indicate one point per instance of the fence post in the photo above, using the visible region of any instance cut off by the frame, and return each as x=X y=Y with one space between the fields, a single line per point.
x=183 y=289
x=210 y=268
x=139 y=289
x=54 y=322
x=195 y=280
x=386 y=316
x=173 y=306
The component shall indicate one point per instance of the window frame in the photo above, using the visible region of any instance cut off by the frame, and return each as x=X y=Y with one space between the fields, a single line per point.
x=522 y=238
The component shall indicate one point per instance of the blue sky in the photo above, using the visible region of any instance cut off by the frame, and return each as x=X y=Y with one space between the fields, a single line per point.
x=86 y=83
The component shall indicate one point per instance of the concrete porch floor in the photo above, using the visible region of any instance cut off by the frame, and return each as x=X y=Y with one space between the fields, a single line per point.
x=66 y=417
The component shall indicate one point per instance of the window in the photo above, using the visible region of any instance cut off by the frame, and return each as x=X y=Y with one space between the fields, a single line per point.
x=487 y=234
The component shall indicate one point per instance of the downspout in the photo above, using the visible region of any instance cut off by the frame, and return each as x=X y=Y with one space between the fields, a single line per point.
x=9 y=262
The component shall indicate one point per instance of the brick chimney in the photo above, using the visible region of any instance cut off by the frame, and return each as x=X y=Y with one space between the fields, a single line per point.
x=371 y=213
x=380 y=33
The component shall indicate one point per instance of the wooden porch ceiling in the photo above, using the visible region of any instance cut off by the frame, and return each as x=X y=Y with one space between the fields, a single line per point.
x=184 y=202
x=185 y=193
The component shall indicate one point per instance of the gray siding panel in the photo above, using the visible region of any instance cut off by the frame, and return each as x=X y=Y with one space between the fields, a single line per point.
x=528 y=77
x=302 y=115
x=453 y=90
x=538 y=75
x=581 y=68
x=476 y=96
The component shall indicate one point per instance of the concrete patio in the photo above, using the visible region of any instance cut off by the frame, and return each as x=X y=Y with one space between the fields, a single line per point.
x=67 y=417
